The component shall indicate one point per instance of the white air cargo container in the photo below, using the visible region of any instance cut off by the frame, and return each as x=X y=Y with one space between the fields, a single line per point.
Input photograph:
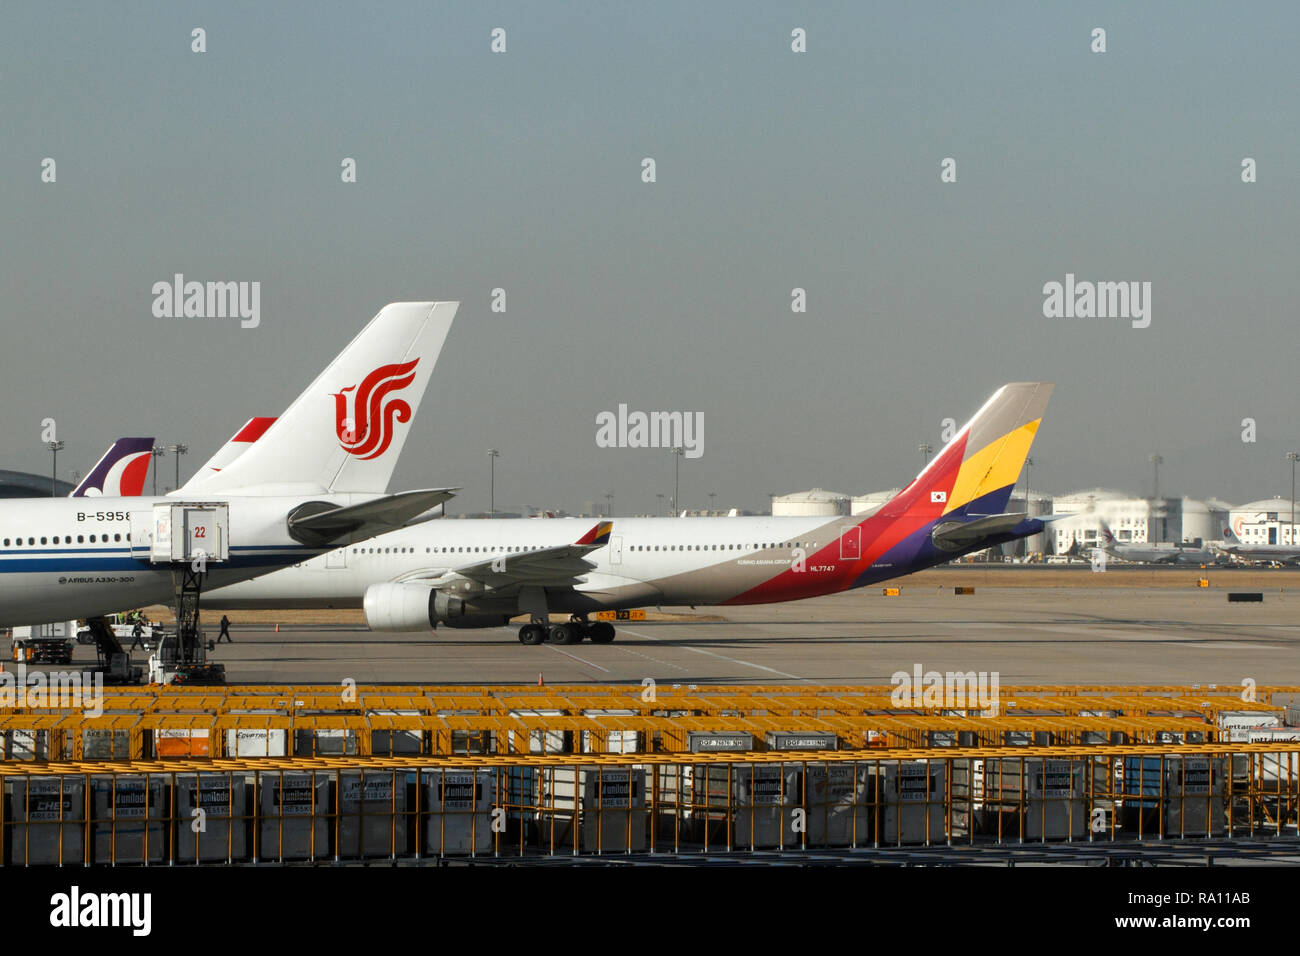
x=458 y=811
x=257 y=742
x=384 y=743
x=616 y=741
x=1048 y=793
x=609 y=801
x=372 y=813
x=33 y=834
x=212 y=817
x=325 y=742
x=1195 y=789
x=27 y=745
x=759 y=798
x=127 y=818
x=105 y=744
x=839 y=800
x=295 y=816
x=792 y=740
x=705 y=742
x=914 y=799
x=1237 y=724
x=540 y=741
x=1282 y=766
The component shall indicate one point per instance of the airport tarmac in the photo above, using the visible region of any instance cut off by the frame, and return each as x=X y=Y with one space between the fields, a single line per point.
x=1028 y=635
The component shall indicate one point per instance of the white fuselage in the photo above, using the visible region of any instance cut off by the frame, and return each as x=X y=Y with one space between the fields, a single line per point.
x=63 y=558
x=647 y=560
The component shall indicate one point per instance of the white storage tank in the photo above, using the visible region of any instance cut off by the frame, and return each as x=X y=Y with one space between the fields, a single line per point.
x=35 y=807
x=813 y=503
x=295 y=816
x=459 y=803
x=220 y=830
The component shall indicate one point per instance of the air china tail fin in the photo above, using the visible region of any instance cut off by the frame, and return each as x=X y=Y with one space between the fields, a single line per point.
x=240 y=442
x=346 y=431
x=120 y=473
x=976 y=472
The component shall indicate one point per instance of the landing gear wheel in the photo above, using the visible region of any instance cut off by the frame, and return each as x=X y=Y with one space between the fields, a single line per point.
x=565 y=634
x=601 y=633
x=532 y=634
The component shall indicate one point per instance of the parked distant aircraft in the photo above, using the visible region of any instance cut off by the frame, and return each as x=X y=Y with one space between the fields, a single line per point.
x=120 y=473
x=315 y=480
x=1152 y=553
x=482 y=573
x=1276 y=553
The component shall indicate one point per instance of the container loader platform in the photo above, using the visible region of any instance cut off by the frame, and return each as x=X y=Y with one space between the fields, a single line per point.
x=186 y=537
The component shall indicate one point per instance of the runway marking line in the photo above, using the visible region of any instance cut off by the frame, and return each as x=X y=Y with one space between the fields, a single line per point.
x=733 y=660
x=577 y=658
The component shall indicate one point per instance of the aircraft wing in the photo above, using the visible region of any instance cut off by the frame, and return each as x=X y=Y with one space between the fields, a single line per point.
x=559 y=566
x=319 y=523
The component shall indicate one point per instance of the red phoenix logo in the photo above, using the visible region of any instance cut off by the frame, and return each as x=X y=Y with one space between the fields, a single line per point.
x=368 y=431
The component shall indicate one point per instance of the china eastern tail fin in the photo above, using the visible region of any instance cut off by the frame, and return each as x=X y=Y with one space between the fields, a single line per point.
x=346 y=431
x=120 y=473
x=976 y=472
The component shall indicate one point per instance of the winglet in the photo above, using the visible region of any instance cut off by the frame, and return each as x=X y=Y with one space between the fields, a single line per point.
x=598 y=535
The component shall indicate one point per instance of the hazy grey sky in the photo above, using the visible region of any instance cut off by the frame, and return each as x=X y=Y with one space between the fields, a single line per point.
x=775 y=170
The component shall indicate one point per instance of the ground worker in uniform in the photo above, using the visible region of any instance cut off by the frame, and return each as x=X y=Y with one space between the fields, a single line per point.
x=137 y=635
x=225 y=630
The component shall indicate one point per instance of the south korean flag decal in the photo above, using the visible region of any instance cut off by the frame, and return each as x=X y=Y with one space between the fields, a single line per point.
x=938 y=497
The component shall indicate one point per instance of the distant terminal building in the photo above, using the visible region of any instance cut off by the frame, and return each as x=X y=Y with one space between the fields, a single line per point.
x=1132 y=520
x=816 y=502
x=20 y=484
x=1136 y=520
x=1267 y=521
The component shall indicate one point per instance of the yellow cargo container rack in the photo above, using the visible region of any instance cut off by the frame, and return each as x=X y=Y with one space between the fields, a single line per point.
x=310 y=721
x=326 y=809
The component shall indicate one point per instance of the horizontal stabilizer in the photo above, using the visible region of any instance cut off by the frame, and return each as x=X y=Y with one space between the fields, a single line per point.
x=955 y=535
x=318 y=523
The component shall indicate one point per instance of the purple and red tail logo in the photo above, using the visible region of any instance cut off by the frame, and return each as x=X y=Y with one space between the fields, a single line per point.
x=366 y=430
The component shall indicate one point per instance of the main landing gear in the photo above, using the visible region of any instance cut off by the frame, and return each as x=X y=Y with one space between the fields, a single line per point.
x=578 y=629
